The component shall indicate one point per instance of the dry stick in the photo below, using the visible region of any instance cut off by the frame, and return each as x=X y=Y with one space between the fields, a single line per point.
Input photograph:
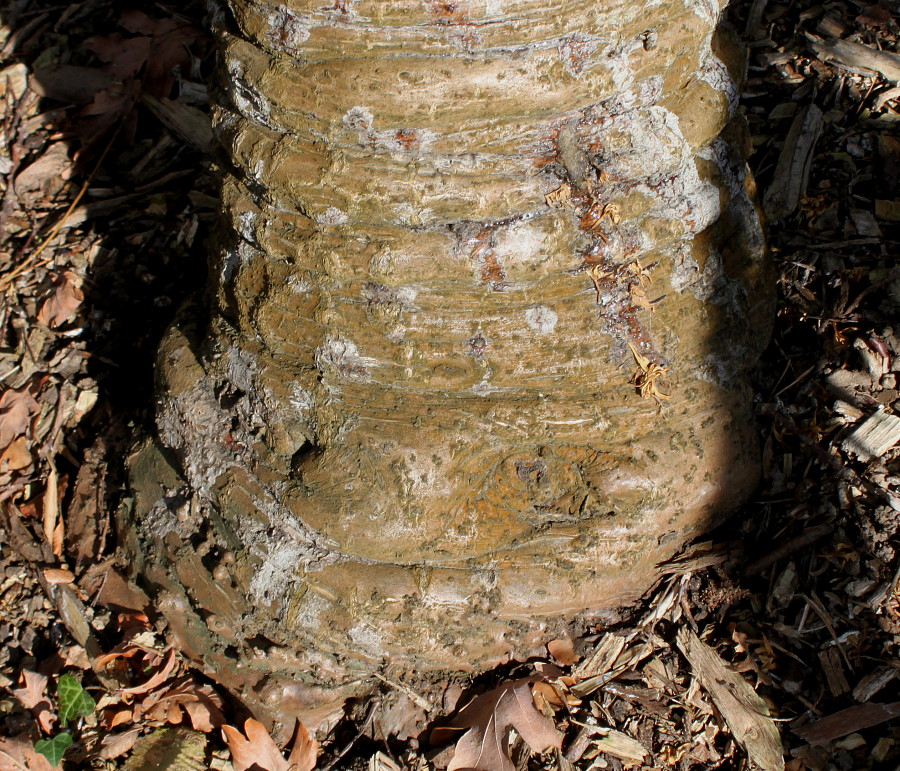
x=789 y=547
x=30 y=260
x=365 y=724
x=420 y=701
x=817 y=606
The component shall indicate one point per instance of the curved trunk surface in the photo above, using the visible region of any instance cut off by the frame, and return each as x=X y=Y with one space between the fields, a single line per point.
x=489 y=282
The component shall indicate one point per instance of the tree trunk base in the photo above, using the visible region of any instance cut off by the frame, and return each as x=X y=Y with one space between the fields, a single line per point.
x=468 y=375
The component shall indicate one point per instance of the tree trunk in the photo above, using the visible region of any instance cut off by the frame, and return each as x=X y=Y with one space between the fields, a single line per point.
x=490 y=278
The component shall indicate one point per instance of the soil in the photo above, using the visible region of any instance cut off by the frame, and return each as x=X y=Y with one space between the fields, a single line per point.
x=107 y=204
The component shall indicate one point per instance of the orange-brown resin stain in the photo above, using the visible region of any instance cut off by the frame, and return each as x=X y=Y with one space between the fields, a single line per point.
x=448 y=11
x=408 y=139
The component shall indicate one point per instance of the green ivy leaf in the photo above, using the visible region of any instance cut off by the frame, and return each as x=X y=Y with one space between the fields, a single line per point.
x=73 y=700
x=54 y=749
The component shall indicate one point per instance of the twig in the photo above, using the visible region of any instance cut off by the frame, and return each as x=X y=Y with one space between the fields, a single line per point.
x=789 y=547
x=420 y=701
x=362 y=729
x=823 y=614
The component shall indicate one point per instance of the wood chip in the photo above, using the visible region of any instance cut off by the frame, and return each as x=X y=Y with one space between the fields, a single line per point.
x=792 y=170
x=622 y=746
x=847 y=721
x=188 y=123
x=744 y=710
x=874 y=437
x=887 y=96
x=381 y=762
x=830 y=659
x=886 y=210
x=866 y=688
x=602 y=658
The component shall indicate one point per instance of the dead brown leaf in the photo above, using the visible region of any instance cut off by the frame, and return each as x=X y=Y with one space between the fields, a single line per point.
x=33 y=696
x=117 y=744
x=18 y=753
x=253 y=747
x=158 y=47
x=563 y=650
x=201 y=703
x=75 y=656
x=17 y=407
x=53 y=524
x=120 y=717
x=65 y=300
x=257 y=748
x=17 y=456
x=157 y=679
x=305 y=751
x=123 y=56
x=490 y=717
x=124 y=650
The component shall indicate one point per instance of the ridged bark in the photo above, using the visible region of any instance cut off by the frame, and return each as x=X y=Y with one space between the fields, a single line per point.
x=412 y=435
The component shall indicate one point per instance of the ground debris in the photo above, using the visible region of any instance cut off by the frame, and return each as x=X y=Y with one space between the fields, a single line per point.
x=874 y=436
x=847 y=721
x=857 y=56
x=794 y=164
x=744 y=711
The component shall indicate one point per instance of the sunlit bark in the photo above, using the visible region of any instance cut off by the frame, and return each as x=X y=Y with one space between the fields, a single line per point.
x=489 y=282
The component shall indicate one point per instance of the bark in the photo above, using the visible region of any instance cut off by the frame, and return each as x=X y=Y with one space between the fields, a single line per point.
x=489 y=282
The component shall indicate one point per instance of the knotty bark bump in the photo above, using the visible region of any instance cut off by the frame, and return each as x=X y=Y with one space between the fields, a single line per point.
x=458 y=236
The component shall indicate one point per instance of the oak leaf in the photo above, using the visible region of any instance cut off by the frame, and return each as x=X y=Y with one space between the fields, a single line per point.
x=114 y=745
x=17 y=456
x=490 y=718
x=256 y=749
x=158 y=677
x=201 y=703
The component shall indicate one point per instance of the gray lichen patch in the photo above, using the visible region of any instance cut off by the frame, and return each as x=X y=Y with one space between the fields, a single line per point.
x=340 y=357
x=541 y=319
